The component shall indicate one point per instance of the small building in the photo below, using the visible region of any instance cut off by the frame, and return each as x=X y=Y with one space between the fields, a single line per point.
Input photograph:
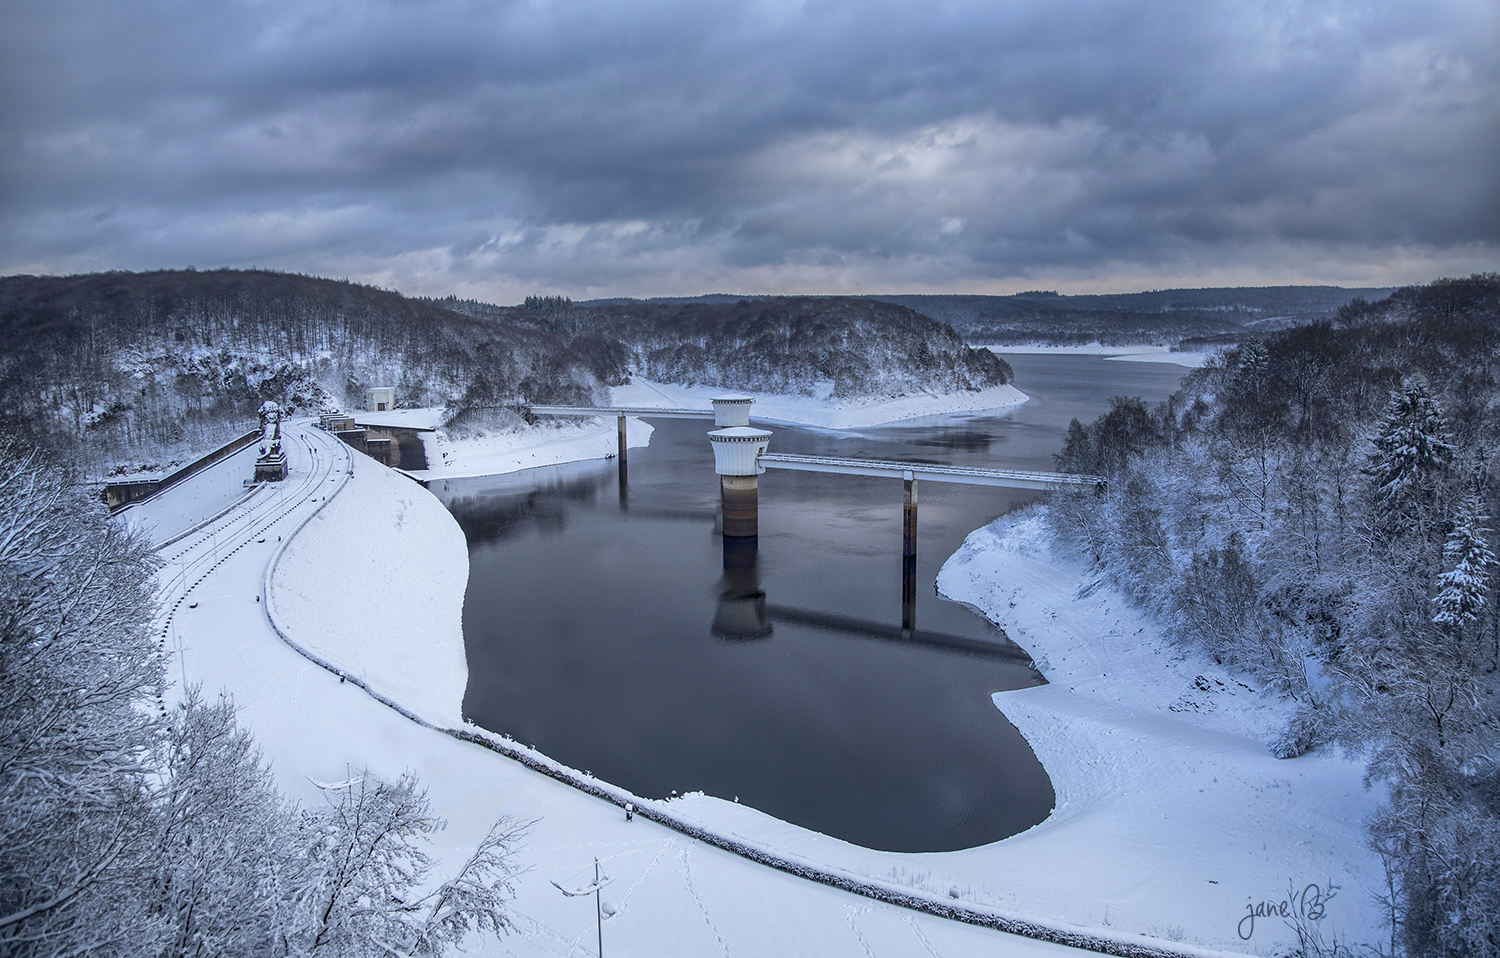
x=381 y=399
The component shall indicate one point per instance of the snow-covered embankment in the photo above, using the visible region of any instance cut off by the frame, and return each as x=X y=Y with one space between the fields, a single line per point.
x=374 y=584
x=1172 y=815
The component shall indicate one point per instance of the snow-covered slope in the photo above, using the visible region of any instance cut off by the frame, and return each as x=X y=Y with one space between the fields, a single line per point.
x=165 y=516
x=375 y=584
x=1172 y=815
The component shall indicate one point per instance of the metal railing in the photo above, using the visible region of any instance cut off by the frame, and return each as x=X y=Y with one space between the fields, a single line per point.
x=1009 y=478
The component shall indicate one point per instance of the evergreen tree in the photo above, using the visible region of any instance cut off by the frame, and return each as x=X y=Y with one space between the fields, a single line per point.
x=1465 y=588
x=1411 y=448
x=1254 y=361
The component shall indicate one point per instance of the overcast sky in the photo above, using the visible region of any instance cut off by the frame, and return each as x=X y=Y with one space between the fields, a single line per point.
x=496 y=149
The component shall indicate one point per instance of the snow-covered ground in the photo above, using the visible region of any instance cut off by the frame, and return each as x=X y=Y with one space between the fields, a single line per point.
x=1172 y=817
x=425 y=417
x=1128 y=354
x=341 y=577
x=1172 y=814
x=823 y=411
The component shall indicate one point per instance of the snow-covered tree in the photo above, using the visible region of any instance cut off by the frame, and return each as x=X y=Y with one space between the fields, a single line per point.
x=1465 y=587
x=130 y=829
x=233 y=876
x=1411 y=448
x=80 y=682
x=1254 y=360
x=373 y=868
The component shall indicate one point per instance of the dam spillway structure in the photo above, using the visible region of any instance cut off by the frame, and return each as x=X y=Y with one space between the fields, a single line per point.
x=737 y=450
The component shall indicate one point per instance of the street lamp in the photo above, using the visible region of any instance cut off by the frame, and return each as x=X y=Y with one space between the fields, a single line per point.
x=600 y=880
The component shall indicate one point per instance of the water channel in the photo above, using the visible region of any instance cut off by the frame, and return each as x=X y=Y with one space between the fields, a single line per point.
x=607 y=625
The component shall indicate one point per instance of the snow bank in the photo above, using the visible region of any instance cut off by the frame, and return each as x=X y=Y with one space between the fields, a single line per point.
x=826 y=412
x=374 y=583
x=547 y=443
x=1128 y=354
x=1172 y=816
x=426 y=417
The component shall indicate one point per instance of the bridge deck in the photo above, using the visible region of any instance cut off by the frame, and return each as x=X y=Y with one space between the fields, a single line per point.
x=620 y=411
x=1009 y=478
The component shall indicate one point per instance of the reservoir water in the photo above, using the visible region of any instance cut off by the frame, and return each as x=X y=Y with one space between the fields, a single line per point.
x=607 y=625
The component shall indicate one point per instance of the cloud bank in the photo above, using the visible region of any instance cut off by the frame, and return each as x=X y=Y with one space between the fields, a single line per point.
x=499 y=149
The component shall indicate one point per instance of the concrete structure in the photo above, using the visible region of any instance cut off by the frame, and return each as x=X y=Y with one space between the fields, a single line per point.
x=1007 y=478
x=399 y=447
x=737 y=450
x=381 y=399
x=123 y=493
x=908 y=473
x=732 y=410
x=729 y=410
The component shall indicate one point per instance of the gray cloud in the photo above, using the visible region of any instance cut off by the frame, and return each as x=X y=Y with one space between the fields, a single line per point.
x=496 y=149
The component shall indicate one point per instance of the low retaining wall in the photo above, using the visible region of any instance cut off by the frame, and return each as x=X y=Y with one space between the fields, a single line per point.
x=118 y=494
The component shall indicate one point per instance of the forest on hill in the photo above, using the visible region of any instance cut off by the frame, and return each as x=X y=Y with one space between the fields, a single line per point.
x=783 y=344
x=127 y=370
x=1188 y=319
x=1316 y=508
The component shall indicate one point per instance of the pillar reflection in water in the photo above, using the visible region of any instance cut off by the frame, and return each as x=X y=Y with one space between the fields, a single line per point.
x=741 y=610
x=624 y=470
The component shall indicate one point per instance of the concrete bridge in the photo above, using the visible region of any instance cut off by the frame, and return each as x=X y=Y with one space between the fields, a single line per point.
x=740 y=456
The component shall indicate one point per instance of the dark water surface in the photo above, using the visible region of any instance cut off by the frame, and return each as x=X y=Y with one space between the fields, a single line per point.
x=611 y=629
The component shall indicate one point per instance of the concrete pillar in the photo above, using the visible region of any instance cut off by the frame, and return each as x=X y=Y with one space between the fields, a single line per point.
x=741 y=498
x=909 y=553
x=736 y=449
x=620 y=434
x=909 y=516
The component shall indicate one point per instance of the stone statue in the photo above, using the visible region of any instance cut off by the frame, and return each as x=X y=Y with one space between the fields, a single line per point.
x=271 y=466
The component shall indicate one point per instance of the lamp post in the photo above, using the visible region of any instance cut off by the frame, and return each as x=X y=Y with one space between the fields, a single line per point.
x=600 y=880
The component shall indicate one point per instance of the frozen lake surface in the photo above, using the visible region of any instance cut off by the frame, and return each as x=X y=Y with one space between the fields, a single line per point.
x=608 y=627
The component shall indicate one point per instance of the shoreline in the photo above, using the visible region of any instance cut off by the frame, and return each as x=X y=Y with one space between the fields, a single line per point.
x=1126 y=354
x=823 y=412
x=1150 y=747
x=1117 y=876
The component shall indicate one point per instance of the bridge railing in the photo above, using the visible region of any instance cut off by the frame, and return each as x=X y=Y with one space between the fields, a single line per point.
x=1008 y=478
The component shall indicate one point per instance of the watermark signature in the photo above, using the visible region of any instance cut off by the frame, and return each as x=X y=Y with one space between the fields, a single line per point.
x=1296 y=909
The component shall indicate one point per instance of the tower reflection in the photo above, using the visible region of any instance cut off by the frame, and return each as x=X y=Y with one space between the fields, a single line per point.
x=741 y=611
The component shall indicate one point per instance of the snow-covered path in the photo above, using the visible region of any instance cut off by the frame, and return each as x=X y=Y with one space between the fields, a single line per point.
x=676 y=896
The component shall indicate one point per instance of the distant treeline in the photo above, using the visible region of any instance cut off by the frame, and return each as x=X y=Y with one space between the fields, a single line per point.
x=1318 y=508
x=118 y=368
x=1191 y=319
